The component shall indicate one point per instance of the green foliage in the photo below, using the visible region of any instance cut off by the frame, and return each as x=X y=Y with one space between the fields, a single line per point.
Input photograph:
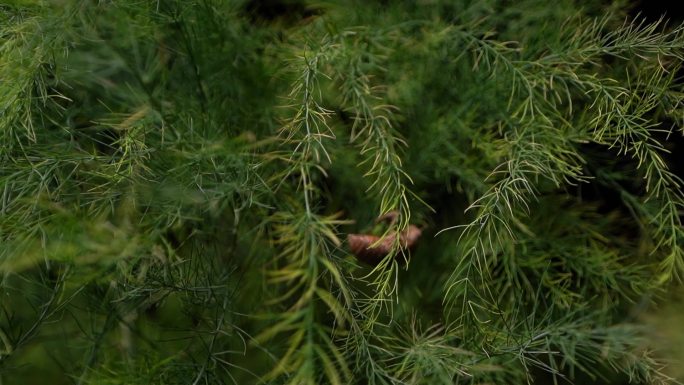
x=177 y=177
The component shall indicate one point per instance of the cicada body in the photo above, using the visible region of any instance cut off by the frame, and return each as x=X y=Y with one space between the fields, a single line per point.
x=372 y=249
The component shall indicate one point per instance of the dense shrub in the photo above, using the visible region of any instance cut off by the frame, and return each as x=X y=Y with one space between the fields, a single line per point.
x=178 y=180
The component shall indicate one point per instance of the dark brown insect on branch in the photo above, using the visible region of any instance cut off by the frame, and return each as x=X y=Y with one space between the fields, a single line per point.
x=371 y=249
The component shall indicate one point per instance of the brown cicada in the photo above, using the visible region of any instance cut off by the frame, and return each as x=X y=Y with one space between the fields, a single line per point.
x=371 y=249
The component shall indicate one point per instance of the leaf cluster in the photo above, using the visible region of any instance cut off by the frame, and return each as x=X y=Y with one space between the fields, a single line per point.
x=176 y=179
